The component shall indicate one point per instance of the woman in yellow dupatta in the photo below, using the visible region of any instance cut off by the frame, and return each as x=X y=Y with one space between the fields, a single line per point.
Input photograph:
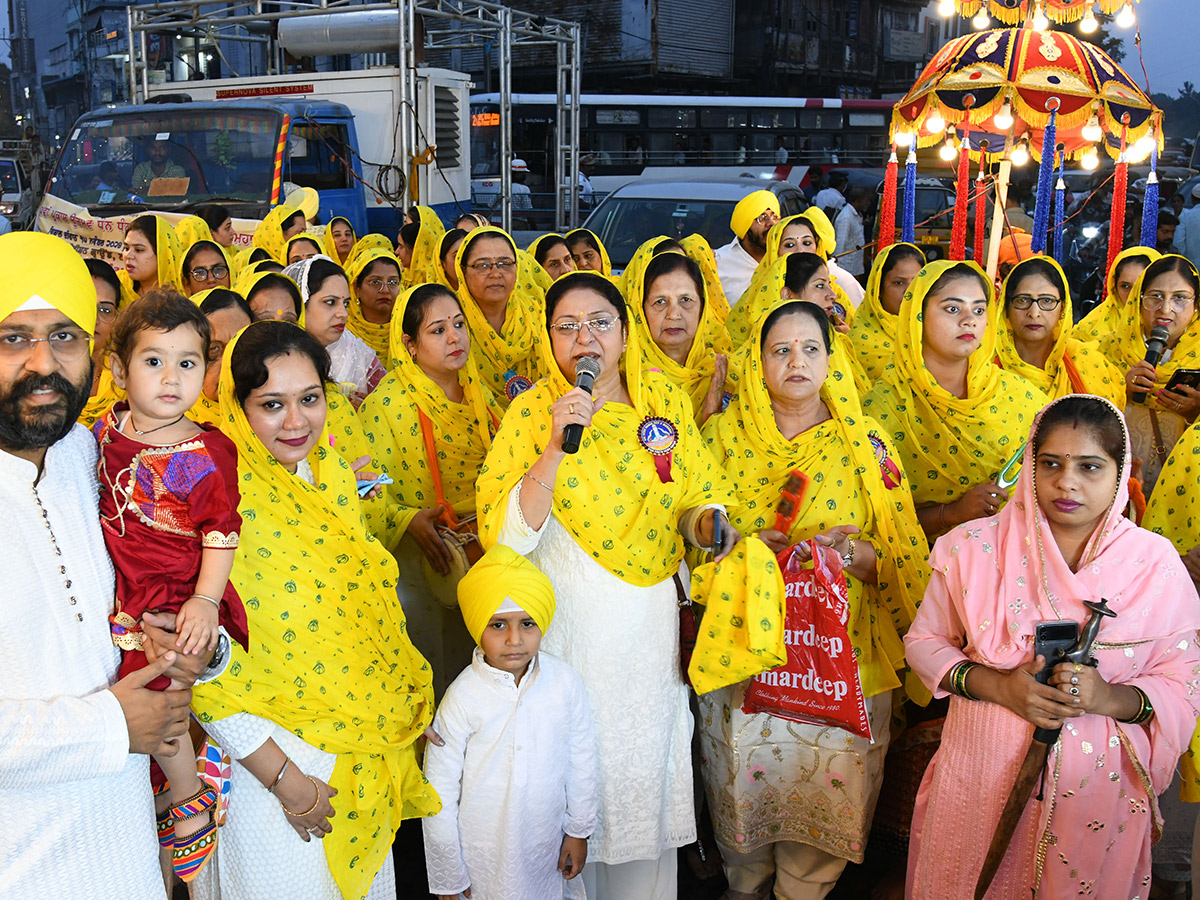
x=698 y=248
x=338 y=239
x=1105 y=318
x=1165 y=295
x=151 y=257
x=367 y=243
x=607 y=526
x=1039 y=344
x=300 y=247
x=203 y=266
x=192 y=229
x=793 y=413
x=424 y=266
x=331 y=681
x=951 y=414
x=433 y=400
x=678 y=332
x=873 y=333
x=550 y=251
x=375 y=279
x=276 y=228
x=502 y=314
x=104 y=390
x=588 y=252
x=227 y=314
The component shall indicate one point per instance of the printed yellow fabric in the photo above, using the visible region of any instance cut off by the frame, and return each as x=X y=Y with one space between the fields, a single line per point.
x=511 y=352
x=241 y=261
x=268 y=235
x=694 y=376
x=327 y=244
x=503 y=574
x=608 y=495
x=107 y=393
x=537 y=242
x=424 y=266
x=947 y=444
x=206 y=412
x=1105 y=318
x=697 y=247
x=1095 y=374
x=1126 y=346
x=329 y=658
x=249 y=279
x=191 y=230
x=367 y=243
x=374 y=334
x=842 y=457
x=605 y=262
x=41 y=266
x=531 y=276
x=462 y=433
x=345 y=430
x=741 y=634
x=873 y=333
x=310 y=238
x=168 y=256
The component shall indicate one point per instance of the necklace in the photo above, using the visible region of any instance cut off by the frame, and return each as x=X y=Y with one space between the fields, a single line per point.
x=139 y=432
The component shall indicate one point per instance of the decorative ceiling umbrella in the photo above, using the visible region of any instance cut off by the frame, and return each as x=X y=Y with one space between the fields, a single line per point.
x=1014 y=12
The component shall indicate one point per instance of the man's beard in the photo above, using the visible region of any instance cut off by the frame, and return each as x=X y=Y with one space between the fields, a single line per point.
x=44 y=425
x=757 y=241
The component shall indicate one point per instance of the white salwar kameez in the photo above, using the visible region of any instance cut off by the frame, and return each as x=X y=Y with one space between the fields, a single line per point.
x=78 y=813
x=517 y=772
x=623 y=641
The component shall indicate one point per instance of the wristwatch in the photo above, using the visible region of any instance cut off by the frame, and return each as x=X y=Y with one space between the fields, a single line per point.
x=220 y=659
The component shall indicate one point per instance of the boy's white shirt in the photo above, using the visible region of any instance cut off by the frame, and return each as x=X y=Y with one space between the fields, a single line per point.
x=516 y=773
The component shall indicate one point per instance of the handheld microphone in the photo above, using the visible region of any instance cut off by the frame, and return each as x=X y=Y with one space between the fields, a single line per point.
x=586 y=371
x=1154 y=351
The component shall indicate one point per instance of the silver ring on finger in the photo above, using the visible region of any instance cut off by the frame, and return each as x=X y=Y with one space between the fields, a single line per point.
x=1075 y=692
x=1074 y=679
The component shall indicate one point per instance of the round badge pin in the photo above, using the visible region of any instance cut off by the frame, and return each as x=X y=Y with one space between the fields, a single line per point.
x=658 y=435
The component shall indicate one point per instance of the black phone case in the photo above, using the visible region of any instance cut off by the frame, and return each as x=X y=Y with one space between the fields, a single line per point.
x=1190 y=377
x=1051 y=647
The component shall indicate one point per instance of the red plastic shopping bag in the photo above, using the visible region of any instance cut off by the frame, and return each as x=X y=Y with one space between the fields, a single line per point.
x=819 y=683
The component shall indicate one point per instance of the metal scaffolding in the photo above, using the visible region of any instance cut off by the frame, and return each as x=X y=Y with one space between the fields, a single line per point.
x=456 y=24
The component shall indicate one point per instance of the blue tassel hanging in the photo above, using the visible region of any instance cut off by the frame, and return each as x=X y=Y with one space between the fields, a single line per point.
x=1060 y=209
x=1041 y=212
x=908 y=230
x=1150 y=204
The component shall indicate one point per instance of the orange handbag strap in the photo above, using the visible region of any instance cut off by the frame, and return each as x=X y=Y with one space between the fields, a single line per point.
x=446 y=511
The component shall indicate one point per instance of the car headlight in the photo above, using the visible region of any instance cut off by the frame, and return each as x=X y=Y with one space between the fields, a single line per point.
x=1089 y=231
x=7 y=209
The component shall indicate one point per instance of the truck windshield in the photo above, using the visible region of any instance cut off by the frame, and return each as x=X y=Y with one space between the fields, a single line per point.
x=170 y=159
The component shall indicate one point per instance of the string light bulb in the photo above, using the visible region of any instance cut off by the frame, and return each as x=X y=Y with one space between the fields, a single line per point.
x=1090 y=159
x=1020 y=153
x=1004 y=118
x=902 y=139
x=945 y=8
x=1089 y=24
x=981 y=20
x=948 y=150
x=1092 y=132
x=1040 y=22
x=1126 y=18
x=1145 y=145
x=935 y=122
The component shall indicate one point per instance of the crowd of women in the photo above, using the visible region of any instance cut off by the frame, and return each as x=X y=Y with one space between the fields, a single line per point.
x=447 y=362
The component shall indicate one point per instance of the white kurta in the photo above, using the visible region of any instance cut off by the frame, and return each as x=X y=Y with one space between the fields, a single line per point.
x=624 y=643
x=517 y=772
x=78 y=810
x=735 y=268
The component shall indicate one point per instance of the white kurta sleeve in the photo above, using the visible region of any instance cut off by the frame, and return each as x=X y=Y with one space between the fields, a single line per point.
x=45 y=742
x=240 y=734
x=583 y=802
x=444 y=860
x=516 y=532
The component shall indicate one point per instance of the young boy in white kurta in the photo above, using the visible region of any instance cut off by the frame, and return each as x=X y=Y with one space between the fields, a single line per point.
x=517 y=770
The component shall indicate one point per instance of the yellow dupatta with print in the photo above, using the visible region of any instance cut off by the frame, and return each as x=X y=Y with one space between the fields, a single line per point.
x=185 y=250
x=241 y=261
x=330 y=659
x=605 y=262
x=268 y=235
x=531 y=276
x=537 y=242
x=507 y=359
x=374 y=334
x=205 y=411
x=608 y=495
x=1105 y=318
x=842 y=458
x=191 y=230
x=873 y=334
x=249 y=279
x=107 y=393
x=694 y=376
x=327 y=245
x=367 y=243
x=698 y=248
x=1073 y=367
x=167 y=256
x=946 y=444
x=1126 y=346
x=423 y=266
x=462 y=435
x=302 y=236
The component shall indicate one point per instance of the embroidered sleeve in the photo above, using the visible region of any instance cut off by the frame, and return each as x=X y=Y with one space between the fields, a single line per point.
x=219 y=540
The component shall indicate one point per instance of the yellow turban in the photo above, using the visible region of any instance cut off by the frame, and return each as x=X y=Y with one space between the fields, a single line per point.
x=39 y=267
x=503 y=574
x=750 y=208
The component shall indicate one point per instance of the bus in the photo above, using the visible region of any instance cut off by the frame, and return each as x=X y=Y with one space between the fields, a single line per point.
x=625 y=136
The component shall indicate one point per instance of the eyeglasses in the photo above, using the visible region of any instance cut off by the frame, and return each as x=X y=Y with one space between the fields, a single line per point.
x=1024 y=301
x=502 y=264
x=106 y=310
x=217 y=273
x=66 y=345
x=378 y=284
x=595 y=326
x=767 y=218
x=1156 y=300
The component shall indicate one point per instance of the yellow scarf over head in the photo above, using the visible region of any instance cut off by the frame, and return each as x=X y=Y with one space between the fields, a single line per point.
x=947 y=444
x=425 y=264
x=462 y=434
x=310 y=238
x=1126 y=346
x=168 y=256
x=503 y=574
x=873 y=333
x=191 y=230
x=268 y=235
x=609 y=495
x=694 y=376
x=183 y=253
x=365 y=244
x=330 y=659
x=374 y=334
x=844 y=459
x=537 y=242
x=1074 y=366
x=329 y=249
x=1105 y=318
x=605 y=262
x=507 y=359
x=697 y=247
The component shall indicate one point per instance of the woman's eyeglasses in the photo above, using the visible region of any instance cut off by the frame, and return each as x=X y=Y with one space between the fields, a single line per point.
x=215 y=272
x=1156 y=300
x=595 y=326
x=379 y=284
x=1024 y=301
x=503 y=265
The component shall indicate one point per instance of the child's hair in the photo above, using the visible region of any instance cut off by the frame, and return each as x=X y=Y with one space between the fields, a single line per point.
x=418 y=300
x=1092 y=413
x=98 y=268
x=264 y=341
x=162 y=309
x=223 y=298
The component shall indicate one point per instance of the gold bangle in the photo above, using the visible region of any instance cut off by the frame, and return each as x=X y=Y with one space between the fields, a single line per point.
x=310 y=810
x=539 y=481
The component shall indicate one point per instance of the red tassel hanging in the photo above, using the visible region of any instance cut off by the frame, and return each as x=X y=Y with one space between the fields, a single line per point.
x=958 y=233
x=887 y=210
x=980 y=208
x=1116 y=225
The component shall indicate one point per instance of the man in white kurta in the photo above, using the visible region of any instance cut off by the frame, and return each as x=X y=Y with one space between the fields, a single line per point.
x=736 y=261
x=74 y=777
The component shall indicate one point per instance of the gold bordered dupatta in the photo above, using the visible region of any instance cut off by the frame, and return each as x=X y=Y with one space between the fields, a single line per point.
x=609 y=495
x=945 y=443
x=843 y=457
x=329 y=658
x=873 y=333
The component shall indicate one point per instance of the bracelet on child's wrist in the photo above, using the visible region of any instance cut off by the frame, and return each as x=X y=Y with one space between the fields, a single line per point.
x=213 y=600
